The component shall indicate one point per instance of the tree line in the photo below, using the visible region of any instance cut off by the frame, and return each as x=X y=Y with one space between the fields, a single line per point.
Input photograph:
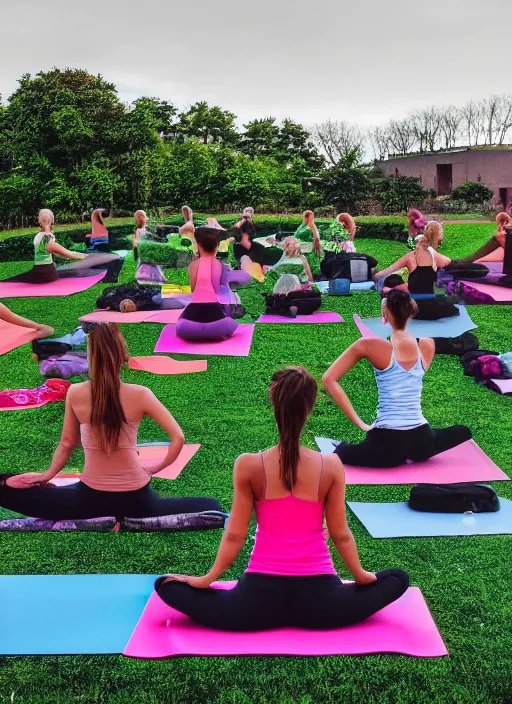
x=69 y=143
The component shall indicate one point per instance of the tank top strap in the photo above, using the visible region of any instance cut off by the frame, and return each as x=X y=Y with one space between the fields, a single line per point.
x=321 y=475
x=264 y=475
x=432 y=253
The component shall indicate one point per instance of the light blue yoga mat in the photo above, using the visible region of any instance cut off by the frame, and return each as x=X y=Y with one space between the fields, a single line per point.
x=399 y=521
x=70 y=614
x=444 y=327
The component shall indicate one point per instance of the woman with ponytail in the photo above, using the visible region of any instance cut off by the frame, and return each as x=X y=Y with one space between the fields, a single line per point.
x=400 y=431
x=290 y=580
x=103 y=415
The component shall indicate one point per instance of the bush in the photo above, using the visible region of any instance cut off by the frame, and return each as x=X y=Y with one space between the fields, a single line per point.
x=168 y=255
x=397 y=194
x=472 y=193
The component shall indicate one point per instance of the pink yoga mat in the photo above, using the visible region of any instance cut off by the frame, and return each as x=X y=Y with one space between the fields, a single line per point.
x=13 y=336
x=405 y=627
x=151 y=455
x=499 y=293
x=238 y=345
x=165 y=316
x=465 y=463
x=363 y=329
x=114 y=316
x=504 y=385
x=322 y=317
x=61 y=287
x=167 y=365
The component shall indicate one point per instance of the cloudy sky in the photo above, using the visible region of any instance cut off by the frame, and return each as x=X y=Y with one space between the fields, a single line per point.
x=362 y=61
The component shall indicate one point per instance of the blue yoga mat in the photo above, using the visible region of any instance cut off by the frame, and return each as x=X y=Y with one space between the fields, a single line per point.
x=444 y=327
x=399 y=521
x=323 y=286
x=79 y=614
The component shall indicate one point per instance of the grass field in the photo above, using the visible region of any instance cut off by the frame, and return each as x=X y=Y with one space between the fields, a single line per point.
x=466 y=581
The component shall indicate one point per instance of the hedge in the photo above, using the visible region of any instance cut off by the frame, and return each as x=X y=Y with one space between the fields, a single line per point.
x=20 y=247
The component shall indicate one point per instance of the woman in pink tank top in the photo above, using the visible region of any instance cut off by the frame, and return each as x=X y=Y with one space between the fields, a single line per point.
x=204 y=318
x=290 y=580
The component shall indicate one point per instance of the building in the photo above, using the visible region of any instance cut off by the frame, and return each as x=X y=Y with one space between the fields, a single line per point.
x=444 y=171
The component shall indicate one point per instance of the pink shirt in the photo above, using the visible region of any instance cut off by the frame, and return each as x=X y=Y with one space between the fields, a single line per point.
x=290 y=538
x=121 y=470
x=204 y=291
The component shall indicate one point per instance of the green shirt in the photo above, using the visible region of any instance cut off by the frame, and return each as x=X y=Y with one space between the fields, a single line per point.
x=41 y=255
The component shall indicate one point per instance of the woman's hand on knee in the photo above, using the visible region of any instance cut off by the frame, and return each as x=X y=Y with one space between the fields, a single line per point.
x=196 y=582
x=25 y=481
x=366 y=578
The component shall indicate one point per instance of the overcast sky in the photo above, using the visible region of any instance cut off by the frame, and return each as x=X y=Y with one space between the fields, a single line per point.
x=362 y=60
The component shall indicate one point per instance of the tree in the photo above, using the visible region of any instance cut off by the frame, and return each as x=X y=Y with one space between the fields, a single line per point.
x=345 y=184
x=261 y=138
x=337 y=139
x=401 y=136
x=294 y=142
x=472 y=121
x=450 y=123
x=379 y=139
x=496 y=118
x=426 y=125
x=162 y=113
x=65 y=116
x=209 y=125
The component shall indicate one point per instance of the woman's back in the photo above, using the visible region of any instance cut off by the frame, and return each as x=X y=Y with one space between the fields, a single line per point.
x=400 y=385
x=290 y=536
x=121 y=469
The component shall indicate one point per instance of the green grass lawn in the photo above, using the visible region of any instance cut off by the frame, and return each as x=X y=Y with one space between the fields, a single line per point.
x=466 y=581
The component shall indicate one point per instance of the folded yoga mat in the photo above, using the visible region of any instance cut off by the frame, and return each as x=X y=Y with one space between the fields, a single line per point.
x=323 y=286
x=81 y=614
x=166 y=365
x=61 y=287
x=238 y=345
x=138 y=316
x=13 y=336
x=405 y=627
x=397 y=520
x=319 y=317
x=444 y=327
x=503 y=386
x=465 y=463
x=500 y=294
x=151 y=454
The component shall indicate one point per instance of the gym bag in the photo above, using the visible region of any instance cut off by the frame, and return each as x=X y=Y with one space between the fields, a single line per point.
x=466 y=342
x=306 y=302
x=454 y=498
x=342 y=265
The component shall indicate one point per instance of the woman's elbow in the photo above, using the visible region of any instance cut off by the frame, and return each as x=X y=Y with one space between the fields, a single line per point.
x=178 y=438
x=328 y=380
x=232 y=536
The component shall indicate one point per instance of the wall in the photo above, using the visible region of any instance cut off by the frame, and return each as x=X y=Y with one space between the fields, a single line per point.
x=493 y=167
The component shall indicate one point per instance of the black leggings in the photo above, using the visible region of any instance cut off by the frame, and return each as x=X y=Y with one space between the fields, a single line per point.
x=436 y=308
x=391 y=448
x=484 y=250
x=78 y=501
x=260 y=602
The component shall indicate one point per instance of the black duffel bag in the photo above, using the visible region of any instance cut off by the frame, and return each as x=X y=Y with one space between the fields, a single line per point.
x=454 y=498
x=306 y=302
x=342 y=265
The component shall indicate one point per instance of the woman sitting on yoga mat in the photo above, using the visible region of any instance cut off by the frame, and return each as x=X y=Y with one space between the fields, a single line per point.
x=400 y=432
x=45 y=246
x=103 y=414
x=290 y=580
x=493 y=250
x=423 y=264
x=204 y=318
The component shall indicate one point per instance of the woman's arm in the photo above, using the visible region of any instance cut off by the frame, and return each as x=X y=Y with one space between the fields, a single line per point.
x=337 y=370
x=428 y=350
x=153 y=408
x=316 y=241
x=404 y=261
x=337 y=526
x=10 y=317
x=441 y=260
x=307 y=269
x=55 y=248
x=235 y=534
x=69 y=440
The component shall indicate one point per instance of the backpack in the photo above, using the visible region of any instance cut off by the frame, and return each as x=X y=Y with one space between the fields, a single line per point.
x=488 y=366
x=64 y=366
x=339 y=287
x=306 y=302
x=44 y=349
x=469 y=294
x=466 y=342
x=454 y=498
x=468 y=358
x=342 y=265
